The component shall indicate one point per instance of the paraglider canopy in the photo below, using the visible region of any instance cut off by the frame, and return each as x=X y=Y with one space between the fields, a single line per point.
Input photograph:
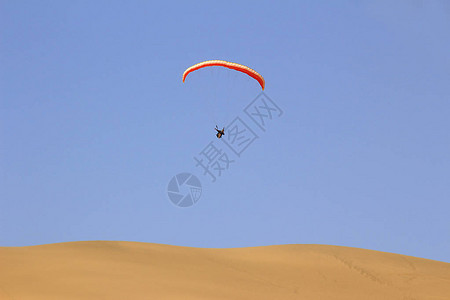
x=234 y=66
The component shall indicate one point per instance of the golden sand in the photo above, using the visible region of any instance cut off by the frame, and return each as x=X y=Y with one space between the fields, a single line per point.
x=130 y=270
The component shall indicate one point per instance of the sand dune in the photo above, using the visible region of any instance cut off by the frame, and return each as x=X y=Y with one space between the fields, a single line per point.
x=129 y=270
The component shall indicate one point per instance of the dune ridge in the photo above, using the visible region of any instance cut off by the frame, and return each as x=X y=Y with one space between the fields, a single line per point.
x=133 y=270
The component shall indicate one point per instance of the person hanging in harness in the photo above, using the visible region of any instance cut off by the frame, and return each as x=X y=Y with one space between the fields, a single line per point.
x=220 y=132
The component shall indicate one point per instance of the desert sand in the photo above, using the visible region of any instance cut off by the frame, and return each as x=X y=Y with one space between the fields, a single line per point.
x=131 y=270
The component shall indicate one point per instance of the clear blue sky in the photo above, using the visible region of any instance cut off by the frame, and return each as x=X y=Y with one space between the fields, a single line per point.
x=95 y=121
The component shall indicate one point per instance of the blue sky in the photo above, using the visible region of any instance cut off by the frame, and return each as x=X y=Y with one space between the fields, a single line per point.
x=95 y=121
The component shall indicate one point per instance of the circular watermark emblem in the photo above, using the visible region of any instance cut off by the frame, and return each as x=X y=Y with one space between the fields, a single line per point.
x=184 y=190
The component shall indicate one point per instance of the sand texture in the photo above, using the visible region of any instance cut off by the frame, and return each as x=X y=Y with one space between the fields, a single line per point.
x=130 y=270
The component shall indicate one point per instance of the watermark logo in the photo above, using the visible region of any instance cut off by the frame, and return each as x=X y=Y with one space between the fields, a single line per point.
x=219 y=155
x=239 y=137
x=184 y=190
x=213 y=160
x=262 y=110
